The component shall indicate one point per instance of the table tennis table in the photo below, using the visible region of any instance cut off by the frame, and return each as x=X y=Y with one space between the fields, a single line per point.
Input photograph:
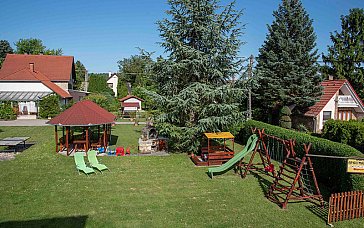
x=13 y=141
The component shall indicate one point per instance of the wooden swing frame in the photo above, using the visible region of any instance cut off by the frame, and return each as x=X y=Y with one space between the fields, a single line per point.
x=281 y=175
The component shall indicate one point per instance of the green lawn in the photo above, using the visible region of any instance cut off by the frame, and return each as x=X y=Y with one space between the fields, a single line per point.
x=41 y=188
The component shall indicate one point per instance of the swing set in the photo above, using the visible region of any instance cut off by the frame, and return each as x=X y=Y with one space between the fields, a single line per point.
x=295 y=178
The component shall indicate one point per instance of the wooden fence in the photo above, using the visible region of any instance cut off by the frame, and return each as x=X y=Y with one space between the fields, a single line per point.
x=346 y=205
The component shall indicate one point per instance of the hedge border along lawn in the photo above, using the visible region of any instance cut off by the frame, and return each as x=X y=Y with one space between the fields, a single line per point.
x=331 y=172
x=347 y=132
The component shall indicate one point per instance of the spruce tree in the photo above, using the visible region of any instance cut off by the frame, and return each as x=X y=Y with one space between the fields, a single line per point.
x=286 y=65
x=194 y=92
x=345 y=57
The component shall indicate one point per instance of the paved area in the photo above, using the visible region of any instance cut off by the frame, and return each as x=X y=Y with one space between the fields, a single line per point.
x=37 y=122
x=41 y=122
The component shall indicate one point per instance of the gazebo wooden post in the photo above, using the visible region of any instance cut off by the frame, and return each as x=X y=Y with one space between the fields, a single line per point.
x=87 y=141
x=98 y=133
x=56 y=137
x=107 y=135
x=67 y=138
x=104 y=137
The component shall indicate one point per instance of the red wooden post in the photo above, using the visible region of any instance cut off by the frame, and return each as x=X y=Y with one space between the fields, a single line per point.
x=104 y=137
x=67 y=142
x=56 y=137
x=87 y=141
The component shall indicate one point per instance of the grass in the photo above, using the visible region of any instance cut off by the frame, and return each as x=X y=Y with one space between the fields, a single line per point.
x=42 y=188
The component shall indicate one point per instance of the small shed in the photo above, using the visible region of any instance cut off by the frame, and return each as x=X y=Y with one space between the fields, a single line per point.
x=86 y=115
x=131 y=103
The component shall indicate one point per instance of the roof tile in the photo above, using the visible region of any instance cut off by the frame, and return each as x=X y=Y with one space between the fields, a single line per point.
x=57 y=68
x=330 y=88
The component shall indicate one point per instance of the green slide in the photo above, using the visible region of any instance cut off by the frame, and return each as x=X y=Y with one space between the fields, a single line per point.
x=249 y=147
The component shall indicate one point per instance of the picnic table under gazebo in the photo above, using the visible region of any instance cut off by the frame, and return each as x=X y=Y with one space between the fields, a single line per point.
x=94 y=121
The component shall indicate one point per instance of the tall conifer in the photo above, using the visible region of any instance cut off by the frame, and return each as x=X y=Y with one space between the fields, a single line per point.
x=287 y=68
x=195 y=95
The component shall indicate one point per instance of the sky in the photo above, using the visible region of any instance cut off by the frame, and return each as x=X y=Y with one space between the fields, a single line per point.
x=100 y=33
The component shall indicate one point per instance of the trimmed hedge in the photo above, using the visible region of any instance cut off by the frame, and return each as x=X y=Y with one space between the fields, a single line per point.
x=7 y=112
x=347 y=132
x=331 y=172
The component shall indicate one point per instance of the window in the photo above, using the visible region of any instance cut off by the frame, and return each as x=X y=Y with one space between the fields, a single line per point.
x=110 y=85
x=345 y=115
x=327 y=116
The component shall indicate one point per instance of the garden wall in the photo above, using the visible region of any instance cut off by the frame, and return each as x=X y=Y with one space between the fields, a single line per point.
x=331 y=172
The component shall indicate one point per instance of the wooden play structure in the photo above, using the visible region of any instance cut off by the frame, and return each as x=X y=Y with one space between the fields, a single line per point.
x=294 y=179
x=216 y=152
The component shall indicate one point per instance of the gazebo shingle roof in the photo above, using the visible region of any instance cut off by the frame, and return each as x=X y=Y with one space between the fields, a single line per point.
x=83 y=113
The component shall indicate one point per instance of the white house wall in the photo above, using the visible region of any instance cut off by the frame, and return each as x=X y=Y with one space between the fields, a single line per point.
x=24 y=86
x=114 y=81
x=330 y=106
x=63 y=85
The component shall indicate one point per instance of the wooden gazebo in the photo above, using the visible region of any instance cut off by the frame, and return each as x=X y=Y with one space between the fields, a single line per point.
x=84 y=114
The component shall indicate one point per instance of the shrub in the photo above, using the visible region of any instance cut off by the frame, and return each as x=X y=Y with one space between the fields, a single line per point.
x=285 y=119
x=49 y=106
x=105 y=101
x=348 y=132
x=330 y=171
x=7 y=112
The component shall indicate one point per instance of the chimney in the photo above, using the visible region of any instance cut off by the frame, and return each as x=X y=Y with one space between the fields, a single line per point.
x=31 y=67
x=331 y=78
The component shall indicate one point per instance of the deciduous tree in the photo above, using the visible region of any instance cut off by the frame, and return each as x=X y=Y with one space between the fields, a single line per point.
x=5 y=48
x=80 y=75
x=33 y=46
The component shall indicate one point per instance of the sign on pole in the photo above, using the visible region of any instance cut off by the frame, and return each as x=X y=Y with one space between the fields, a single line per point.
x=355 y=166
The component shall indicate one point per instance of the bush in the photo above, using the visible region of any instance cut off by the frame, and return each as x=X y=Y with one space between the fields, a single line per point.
x=285 y=119
x=330 y=171
x=49 y=106
x=348 y=132
x=7 y=112
x=105 y=101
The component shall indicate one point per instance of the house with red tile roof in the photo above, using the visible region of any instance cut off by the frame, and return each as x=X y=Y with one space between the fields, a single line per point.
x=339 y=101
x=26 y=79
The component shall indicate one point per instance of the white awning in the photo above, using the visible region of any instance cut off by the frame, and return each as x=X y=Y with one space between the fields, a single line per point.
x=22 y=95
